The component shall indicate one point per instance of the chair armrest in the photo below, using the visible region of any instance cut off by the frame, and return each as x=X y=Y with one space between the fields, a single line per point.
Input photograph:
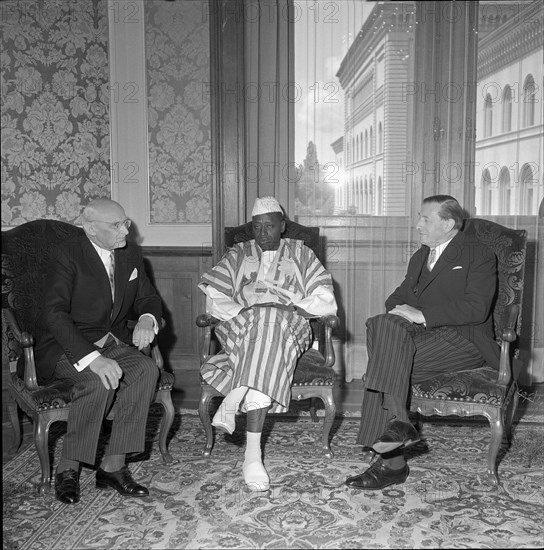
x=26 y=341
x=206 y=322
x=507 y=336
x=328 y=323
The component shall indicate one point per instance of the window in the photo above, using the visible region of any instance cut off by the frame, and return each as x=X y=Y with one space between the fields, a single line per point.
x=488 y=116
x=507 y=109
x=505 y=192
x=527 y=191
x=529 y=100
x=487 y=193
x=369 y=53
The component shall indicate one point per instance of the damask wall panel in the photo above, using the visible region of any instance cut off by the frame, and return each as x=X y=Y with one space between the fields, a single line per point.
x=178 y=73
x=55 y=108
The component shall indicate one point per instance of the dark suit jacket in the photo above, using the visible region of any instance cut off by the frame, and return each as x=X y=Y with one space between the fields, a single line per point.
x=77 y=307
x=459 y=292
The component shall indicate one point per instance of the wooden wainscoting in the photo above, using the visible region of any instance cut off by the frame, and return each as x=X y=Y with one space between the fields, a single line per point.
x=176 y=272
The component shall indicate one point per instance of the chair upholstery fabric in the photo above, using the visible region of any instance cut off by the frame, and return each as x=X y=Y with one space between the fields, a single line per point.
x=484 y=391
x=26 y=252
x=314 y=376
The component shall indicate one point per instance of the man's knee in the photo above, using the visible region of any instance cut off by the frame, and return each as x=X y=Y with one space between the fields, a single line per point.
x=149 y=370
x=384 y=321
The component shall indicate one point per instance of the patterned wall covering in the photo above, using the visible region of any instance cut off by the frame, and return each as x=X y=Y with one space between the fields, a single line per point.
x=178 y=73
x=55 y=108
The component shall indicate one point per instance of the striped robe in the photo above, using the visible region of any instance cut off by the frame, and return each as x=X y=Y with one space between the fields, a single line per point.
x=261 y=345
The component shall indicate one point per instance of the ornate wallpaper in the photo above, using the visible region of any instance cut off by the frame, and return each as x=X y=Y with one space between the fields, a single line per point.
x=178 y=73
x=55 y=108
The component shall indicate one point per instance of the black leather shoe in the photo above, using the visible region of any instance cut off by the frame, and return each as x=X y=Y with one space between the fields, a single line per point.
x=121 y=481
x=67 y=486
x=397 y=434
x=378 y=476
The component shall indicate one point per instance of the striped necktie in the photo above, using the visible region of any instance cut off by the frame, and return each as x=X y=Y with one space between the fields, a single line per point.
x=430 y=259
x=111 y=274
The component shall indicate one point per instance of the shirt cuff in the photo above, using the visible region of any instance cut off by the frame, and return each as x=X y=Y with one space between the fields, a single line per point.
x=86 y=361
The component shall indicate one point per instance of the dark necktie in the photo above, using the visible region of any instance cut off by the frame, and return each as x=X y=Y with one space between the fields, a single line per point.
x=430 y=259
x=111 y=274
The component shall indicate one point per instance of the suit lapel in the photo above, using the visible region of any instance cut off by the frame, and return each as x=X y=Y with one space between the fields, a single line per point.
x=442 y=262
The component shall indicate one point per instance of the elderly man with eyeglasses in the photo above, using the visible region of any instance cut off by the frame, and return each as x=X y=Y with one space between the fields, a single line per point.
x=95 y=285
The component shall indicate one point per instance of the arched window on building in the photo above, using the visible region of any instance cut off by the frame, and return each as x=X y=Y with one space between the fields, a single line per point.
x=505 y=192
x=366 y=144
x=507 y=109
x=365 y=197
x=371 y=144
x=488 y=116
x=379 y=202
x=527 y=191
x=370 y=191
x=357 y=149
x=380 y=138
x=487 y=193
x=529 y=99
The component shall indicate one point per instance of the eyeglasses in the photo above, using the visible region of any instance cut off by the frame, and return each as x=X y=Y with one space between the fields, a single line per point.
x=116 y=225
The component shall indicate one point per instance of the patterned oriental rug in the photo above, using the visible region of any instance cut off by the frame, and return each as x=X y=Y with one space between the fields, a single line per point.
x=446 y=502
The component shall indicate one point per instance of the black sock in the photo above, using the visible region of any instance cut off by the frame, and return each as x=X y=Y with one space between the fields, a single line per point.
x=394 y=459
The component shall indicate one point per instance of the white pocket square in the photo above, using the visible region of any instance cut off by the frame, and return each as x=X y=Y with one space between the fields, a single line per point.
x=134 y=274
x=457 y=267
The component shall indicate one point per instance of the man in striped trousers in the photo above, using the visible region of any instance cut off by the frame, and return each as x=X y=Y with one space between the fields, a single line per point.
x=438 y=320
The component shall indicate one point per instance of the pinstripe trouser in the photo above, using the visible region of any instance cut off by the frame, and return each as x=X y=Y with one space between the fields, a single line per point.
x=91 y=402
x=399 y=353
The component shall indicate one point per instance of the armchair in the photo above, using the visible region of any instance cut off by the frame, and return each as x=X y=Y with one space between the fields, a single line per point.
x=26 y=251
x=483 y=391
x=313 y=376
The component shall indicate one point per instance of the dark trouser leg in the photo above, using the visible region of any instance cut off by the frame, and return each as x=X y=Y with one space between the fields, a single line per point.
x=398 y=353
x=91 y=401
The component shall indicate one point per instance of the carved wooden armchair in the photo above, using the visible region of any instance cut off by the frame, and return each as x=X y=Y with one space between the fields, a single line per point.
x=484 y=391
x=313 y=376
x=26 y=251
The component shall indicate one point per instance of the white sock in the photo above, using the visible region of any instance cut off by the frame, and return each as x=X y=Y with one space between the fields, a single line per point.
x=225 y=417
x=255 y=474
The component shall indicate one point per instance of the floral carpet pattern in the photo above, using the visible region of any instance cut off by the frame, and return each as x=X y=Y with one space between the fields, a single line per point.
x=447 y=501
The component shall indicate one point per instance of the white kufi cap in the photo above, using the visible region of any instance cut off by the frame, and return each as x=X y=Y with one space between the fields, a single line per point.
x=266 y=205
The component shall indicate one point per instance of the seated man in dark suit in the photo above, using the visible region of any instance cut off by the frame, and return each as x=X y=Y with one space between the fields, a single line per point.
x=438 y=320
x=96 y=283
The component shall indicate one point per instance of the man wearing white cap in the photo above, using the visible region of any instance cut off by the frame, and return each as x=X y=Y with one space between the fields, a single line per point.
x=263 y=292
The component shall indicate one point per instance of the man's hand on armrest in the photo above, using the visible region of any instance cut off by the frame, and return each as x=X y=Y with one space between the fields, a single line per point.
x=144 y=332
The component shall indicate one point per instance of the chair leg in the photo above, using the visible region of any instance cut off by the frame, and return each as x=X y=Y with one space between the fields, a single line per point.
x=164 y=397
x=16 y=425
x=511 y=412
x=313 y=411
x=204 y=414
x=497 y=431
x=41 y=441
x=330 y=414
